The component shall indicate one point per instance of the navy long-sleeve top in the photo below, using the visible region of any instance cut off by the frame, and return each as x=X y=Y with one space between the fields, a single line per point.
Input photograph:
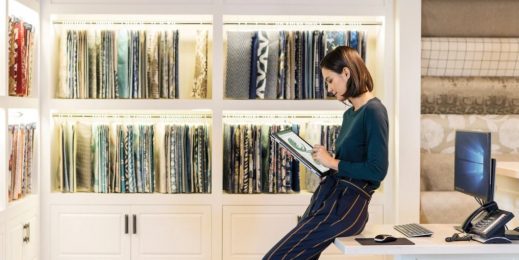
x=362 y=144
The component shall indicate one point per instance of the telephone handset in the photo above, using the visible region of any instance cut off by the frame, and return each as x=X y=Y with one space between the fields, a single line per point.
x=487 y=221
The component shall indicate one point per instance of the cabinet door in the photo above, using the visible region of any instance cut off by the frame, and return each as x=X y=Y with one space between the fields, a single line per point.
x=89 y=232
x=2 y=239
x=250 y=231
x=171 y=232
x=14 y=239
x=20 y=243
x=31 y=246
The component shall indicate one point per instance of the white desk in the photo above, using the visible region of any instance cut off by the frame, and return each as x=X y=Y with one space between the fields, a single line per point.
x=433 y=247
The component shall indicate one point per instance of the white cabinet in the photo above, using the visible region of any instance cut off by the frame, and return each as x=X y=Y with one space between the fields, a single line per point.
x=2 y=238
x=171 y=232
x=90 y=232
x=31 y=229
x=250 y=231
x=21 y=237
x=131 y=232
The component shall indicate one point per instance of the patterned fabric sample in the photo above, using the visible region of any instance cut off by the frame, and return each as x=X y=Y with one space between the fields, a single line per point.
x=118 y=64
x=130 y=158
x=237 y=75
x=470 y=95
x=312 y=133
x=272 y=65
x=470 y=57
x=21 y=51
x=282 y=87
x=262 y=64
x=438 y=131
x=247 y=171
x=307 y=65
x=122 y=64
x=292 y=68
x=152 y=53
x=21 y=144
x=83 y=155
x=334 y=39
x=253 y=77
x=255 y=163
x=200 y=86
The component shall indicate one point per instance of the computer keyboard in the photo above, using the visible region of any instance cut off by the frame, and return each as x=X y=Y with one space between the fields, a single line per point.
x=413 y=230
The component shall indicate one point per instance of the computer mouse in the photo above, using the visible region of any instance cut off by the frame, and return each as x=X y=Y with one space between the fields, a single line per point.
x=383 y=238
x=498 y=240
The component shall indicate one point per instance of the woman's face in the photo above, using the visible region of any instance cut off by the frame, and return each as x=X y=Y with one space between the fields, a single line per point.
x=336 y=82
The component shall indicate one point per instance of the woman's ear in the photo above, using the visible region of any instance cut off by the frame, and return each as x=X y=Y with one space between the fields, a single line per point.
x=346 y=72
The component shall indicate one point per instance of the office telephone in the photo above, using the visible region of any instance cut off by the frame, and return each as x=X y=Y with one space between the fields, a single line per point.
x=487 y=221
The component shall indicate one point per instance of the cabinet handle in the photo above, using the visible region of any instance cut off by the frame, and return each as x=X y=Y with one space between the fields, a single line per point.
x=126 y=224
x=25 y=233
x=28 y=232
x=134 y=224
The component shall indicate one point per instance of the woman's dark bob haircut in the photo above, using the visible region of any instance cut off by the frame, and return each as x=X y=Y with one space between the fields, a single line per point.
x=360 y=80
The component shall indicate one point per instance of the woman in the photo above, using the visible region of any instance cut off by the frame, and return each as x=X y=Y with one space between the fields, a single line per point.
x=339 y=206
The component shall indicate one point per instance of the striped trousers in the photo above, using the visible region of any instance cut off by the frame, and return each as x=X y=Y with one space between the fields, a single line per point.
x=337 y=209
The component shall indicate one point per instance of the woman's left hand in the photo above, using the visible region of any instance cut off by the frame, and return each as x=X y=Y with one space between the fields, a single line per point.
x=322 y=156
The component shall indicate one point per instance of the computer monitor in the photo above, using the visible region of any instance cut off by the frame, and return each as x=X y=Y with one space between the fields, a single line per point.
x=474 y=169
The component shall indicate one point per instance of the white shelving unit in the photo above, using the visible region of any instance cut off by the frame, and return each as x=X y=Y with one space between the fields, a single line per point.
x=19 y=219
x=222 y=218
x=11 y=108
x=15 y=110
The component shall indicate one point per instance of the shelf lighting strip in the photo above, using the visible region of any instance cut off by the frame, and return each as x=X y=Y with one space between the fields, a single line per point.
x=143 y=116
x=128 y=23
x=273 y=116
x=228 y=23
x=306 y=23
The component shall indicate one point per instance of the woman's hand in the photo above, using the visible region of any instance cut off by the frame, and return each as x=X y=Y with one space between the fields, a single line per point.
x=322 y=156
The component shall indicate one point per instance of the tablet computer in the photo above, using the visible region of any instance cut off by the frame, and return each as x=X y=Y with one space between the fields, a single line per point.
x=300 y=149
